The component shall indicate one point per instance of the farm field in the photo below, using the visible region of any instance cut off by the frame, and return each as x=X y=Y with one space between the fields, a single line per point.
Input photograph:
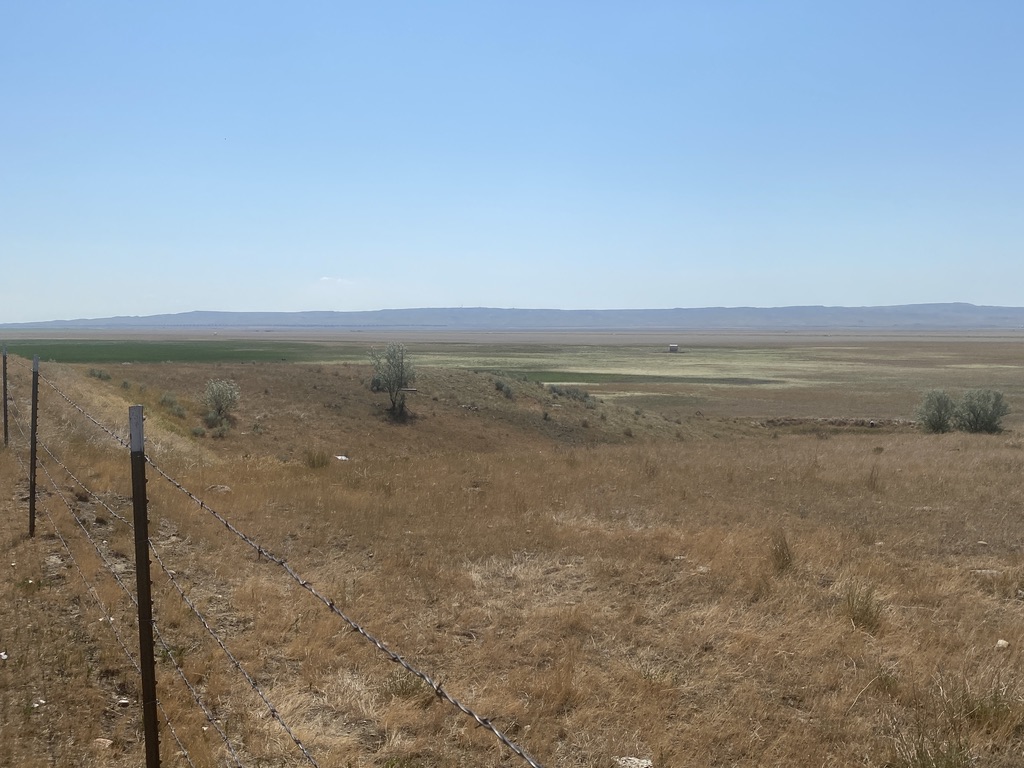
x=744 y=553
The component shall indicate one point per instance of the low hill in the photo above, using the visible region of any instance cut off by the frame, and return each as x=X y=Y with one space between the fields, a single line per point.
x=952 y=316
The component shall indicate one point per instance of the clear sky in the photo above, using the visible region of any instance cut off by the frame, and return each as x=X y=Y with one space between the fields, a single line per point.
x=171 y=156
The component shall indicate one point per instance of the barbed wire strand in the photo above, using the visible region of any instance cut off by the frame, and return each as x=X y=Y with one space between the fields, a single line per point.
x=103 y=558
x=124 y=443
x=438 y=689
x=197 y=697
x=85 y=488
x=238 y=665
x=15 y=413
x=132 y=598
x=181 y=746
x=110 y=623
x=207 y=713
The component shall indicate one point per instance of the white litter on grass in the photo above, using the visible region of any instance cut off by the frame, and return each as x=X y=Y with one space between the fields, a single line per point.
x=634 y=762
x=341 y=458
x=3 y=655
x=1002 y=645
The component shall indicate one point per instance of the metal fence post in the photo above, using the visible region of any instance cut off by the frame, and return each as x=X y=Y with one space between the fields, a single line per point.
x=142 y=583
x=32 y=448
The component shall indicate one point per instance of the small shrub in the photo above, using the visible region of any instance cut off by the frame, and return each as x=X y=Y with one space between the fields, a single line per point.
x=220 y=398
x=126 y=384
x=572 y=393
x=198 y=432
x=936 y=411
x=504 y=388
x=97 y=373
x=170 y=402
x=981 y=410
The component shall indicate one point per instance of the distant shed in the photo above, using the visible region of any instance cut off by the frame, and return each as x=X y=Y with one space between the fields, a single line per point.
x=673 y=347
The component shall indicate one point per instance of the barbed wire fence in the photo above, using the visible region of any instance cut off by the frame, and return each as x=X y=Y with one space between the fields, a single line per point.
x=57 y=471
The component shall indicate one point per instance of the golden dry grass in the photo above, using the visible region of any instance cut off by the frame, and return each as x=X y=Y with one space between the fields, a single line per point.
x=744 y=586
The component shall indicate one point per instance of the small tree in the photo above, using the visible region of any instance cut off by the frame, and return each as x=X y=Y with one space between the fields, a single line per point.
x=936 y=412
x=220 y=398
x=393 y=373
x=981 y=410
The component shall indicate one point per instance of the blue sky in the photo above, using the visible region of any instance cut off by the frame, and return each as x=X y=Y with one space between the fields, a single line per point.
x=166 y=157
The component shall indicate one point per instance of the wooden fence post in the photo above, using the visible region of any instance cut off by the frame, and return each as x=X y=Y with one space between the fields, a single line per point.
x=34 y=429
x=142 y=583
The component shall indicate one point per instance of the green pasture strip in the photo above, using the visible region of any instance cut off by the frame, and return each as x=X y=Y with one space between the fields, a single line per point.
x=592 y=377
x=159 y=351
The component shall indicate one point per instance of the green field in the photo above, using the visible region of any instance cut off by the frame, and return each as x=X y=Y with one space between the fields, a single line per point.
x=185 y=351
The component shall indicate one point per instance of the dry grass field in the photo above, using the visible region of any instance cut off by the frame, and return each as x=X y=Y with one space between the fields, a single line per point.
x=714 y=560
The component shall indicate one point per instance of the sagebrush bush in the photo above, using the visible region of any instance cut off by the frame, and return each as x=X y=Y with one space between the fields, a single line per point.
x=220 y=398
x=981 y=410
x=393 y=373
x=936 y=411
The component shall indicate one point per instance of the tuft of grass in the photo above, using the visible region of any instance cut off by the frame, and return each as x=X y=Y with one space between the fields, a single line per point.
x=317 y=458
x=780 y=555
x=862 y=607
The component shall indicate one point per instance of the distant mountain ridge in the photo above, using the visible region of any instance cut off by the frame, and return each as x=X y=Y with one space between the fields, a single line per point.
x=952 y=316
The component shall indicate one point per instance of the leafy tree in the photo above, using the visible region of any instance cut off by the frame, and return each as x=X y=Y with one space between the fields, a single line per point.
x=981 y=410
x=936 y=411
x=220 y=398
x=393 y=373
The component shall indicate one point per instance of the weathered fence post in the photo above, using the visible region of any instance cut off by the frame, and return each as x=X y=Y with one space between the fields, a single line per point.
x=142 y=583
x=34 y=428
x=6 y=441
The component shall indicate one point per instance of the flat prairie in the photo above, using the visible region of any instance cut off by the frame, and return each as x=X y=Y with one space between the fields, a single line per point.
x=742 y=553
